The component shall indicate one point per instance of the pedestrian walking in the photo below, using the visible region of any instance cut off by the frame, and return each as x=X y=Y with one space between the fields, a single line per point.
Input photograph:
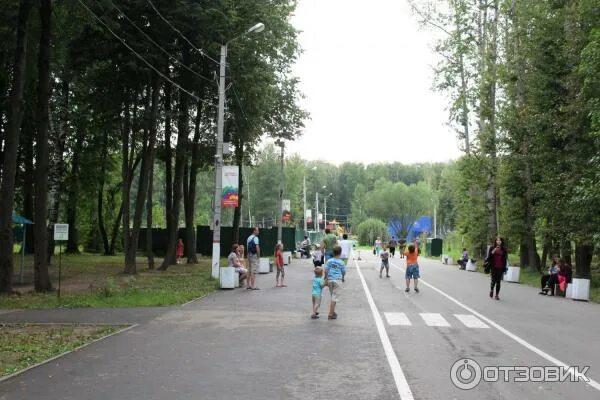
x=392 y=246
x=377 y=246
x=412 y=267
x=317 y=256
x=317 y=291
x=346 y=246
x=335 y=272
x=328 y=243
x=497 y=258
x=280 y=268
x=385 y=263
x=179 y=251
x=253 y=246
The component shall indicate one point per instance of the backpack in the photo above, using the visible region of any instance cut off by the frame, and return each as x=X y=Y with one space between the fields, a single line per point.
x=251 y=245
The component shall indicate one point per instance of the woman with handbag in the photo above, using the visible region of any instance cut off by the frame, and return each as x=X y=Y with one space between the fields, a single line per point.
x=497 y=258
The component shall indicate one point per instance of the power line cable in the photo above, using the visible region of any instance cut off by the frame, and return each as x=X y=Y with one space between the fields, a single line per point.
x=137 y=54
x=158 y=45
x=237 y=97
x=199 y=50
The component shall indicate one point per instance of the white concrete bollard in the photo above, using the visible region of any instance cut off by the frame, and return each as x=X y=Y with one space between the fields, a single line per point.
x=227 y=277
x=263 y=266
x=581 y=289
x=287 y=257
x=471 y=266
x=513 y=274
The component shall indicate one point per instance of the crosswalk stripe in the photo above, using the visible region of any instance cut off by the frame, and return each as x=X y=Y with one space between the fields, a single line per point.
x=471 y=321
x=434 y=319
x=397 y=319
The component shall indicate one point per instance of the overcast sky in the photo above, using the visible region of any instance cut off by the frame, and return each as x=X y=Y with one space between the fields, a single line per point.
x=366 y=72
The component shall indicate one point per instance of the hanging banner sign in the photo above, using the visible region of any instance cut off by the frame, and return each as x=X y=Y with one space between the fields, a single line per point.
x=286 y=207
x=230 y=184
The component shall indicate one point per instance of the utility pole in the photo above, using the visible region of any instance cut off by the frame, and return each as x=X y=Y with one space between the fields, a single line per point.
x=281 y=144
x=304 y=201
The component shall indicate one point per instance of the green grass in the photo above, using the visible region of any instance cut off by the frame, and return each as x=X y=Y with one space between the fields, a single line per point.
x=97 y=281
x=23 y=345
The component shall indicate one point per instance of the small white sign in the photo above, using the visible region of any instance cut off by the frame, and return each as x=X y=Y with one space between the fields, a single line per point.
x=61 y=232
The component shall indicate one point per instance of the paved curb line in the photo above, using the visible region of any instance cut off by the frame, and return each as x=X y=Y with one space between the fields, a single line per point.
x=14 y=374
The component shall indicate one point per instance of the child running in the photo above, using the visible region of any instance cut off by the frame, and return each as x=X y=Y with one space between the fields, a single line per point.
x=385 y=262
x=279 y=260
x=412 y=267
x=317 y=292
x=335 y=271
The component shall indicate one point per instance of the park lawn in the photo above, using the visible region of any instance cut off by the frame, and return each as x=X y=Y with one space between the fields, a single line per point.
x=24 y=345
x=89 y=280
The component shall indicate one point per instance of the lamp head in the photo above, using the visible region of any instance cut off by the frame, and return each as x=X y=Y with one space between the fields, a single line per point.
x=257 y=28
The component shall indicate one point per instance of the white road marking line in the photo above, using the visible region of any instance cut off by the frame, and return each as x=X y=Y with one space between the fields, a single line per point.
x=471 y=321
x=394 y=319
x=434 y=319
x=541 y=353
x=399 y=378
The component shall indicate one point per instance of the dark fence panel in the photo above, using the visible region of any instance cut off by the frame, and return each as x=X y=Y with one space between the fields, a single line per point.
x=267 y=237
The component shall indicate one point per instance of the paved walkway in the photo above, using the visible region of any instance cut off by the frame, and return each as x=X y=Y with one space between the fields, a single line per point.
x=386 y=344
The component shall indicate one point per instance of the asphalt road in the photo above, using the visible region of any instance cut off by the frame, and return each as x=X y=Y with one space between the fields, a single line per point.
x=386 y=344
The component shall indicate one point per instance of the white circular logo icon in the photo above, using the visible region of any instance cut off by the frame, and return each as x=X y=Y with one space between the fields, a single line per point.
x=465 y=373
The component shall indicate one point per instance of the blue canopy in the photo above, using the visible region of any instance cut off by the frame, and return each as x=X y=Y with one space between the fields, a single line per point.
x=17 y=219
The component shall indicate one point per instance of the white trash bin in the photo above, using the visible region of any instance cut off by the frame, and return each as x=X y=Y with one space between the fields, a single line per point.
x=227 y=277
x=263 y=266
x=471 y=266
x=569 y=292
x=581 y=289
x=287 y=257
x=513 y=274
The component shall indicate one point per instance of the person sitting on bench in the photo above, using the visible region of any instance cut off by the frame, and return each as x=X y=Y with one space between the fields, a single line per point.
x=565 y=276
x=551 y=278
x=464 y=259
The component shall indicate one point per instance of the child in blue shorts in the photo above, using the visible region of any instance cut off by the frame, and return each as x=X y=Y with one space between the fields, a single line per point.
x=317 y=291
x=412 y=268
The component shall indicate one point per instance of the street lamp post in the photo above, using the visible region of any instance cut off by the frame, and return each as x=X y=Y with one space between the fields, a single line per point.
x=316 y=224
x=304 y=201
x=216 y=249
x=325 y=209
x=281 y=144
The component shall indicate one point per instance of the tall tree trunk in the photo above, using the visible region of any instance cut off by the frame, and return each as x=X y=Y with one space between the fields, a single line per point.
x=100 y=195
x=190 y=194
x=125 y=172
x=58 y=128
x=145 y=171
x=180 y=160
x=73 y=194
x=115 y=232
x=168 y=166
x=11 y=143
x=41 y=276
x=28 y=127
x=149 y=204
x=487 y=115
x=583 y=259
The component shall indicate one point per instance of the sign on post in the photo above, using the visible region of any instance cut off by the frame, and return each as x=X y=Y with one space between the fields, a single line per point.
x=61 y=232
